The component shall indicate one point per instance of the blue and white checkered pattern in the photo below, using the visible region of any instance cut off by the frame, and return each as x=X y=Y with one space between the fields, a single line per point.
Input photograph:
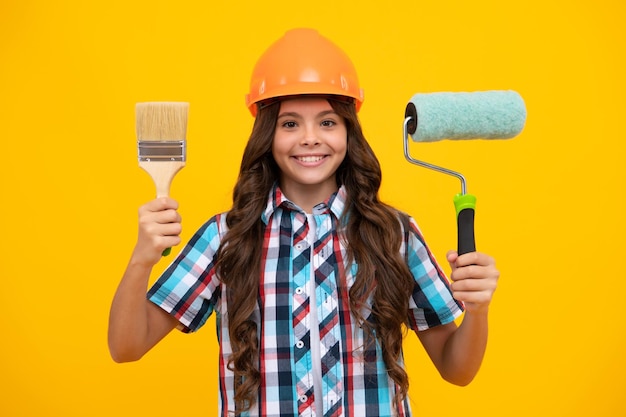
x=354 y=378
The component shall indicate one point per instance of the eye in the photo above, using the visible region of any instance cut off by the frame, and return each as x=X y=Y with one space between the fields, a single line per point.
x=289 y=124
x=328 y=123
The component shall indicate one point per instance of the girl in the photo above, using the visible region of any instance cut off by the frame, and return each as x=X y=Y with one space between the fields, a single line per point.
x=313 y=279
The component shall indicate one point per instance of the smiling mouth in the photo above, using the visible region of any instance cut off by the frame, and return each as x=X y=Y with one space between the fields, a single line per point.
x=309 y=158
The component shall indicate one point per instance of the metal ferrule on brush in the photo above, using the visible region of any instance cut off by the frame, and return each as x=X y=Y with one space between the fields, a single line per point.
x=171 y=150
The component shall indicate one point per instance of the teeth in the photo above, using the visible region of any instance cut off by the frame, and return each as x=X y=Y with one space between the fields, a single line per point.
x=310 y=158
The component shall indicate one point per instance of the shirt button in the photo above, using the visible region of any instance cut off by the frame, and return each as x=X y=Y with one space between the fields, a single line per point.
x=299 y=246
x=303 y=398
x=300 y=344
x=299 y=290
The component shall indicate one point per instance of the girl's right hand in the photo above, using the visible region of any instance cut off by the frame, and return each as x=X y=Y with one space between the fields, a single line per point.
x=159 y=228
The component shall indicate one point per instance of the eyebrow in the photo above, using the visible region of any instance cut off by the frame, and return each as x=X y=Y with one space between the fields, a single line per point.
x=297 y=115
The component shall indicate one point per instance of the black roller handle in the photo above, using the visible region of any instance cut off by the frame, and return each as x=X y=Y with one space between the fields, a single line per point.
x=465 y=228
x=465 y=205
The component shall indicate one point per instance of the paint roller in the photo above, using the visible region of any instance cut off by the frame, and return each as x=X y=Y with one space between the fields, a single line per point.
x=430 y=117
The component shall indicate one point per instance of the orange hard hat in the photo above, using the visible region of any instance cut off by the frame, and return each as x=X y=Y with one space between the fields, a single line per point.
x=303 y=62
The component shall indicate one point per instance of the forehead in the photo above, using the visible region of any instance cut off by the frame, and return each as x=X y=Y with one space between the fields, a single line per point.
x=304 y=103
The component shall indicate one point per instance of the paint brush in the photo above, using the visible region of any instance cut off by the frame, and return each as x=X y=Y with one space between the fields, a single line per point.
x=161 y=135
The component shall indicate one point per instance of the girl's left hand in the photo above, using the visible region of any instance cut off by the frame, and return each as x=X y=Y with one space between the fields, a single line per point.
x=474 y=279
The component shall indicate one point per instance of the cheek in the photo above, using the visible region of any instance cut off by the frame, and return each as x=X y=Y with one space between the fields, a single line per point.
x=277 y=146
x=278 y=143
x=280 y=152
x=342 y=145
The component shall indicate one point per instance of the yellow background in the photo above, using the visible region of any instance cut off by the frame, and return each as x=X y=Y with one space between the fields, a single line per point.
x=550 y=202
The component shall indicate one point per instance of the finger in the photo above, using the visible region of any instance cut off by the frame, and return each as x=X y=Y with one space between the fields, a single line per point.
x=160 y=204
x=159 y=237
x=475 y=272
x=147 y=217
x=150 y=249
x=166 y=216
x=168 y=241
x=467 y=272
x=452 y=256
x=160 y=224
x=170 y=229
x=475 y=285
x=474 y=258
x=474 y=297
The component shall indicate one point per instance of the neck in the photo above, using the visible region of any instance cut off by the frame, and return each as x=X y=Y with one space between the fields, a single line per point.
x=308 y=196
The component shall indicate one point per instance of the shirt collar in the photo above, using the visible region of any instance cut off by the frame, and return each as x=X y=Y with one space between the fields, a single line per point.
x=335 y=203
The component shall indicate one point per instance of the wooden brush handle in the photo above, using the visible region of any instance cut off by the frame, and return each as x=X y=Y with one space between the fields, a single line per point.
x=162 y=173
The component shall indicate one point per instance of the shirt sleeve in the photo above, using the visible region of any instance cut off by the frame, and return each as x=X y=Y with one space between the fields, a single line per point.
x=189 y=288
x=432 y=303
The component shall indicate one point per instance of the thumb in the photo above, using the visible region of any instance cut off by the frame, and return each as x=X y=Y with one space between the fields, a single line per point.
x=452 y=256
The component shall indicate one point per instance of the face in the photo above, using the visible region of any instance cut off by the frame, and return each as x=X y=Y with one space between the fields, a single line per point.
x=309 y=144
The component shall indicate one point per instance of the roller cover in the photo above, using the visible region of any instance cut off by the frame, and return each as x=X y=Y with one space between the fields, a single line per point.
x=497 y=114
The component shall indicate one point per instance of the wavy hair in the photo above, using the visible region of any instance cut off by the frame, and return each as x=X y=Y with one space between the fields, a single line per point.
x=372 y=232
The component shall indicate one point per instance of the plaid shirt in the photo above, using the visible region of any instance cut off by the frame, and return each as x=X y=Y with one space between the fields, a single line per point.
x=354 y=377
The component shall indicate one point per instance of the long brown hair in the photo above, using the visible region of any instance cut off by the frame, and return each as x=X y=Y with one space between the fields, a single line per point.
x=372 y=232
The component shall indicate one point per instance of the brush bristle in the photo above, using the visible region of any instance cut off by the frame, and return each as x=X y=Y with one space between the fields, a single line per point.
x=161 y=121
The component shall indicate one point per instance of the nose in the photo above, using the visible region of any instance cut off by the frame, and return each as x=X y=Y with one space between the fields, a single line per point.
x=310 y=137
